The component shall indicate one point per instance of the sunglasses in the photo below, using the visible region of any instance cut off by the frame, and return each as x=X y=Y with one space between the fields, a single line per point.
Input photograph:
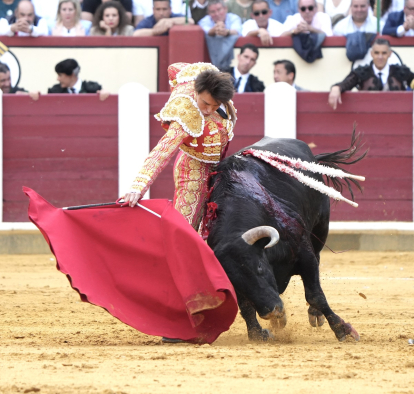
x=310 y=8
x=263 y=12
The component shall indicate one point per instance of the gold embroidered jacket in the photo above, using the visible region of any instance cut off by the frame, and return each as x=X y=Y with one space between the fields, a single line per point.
x=202 y=138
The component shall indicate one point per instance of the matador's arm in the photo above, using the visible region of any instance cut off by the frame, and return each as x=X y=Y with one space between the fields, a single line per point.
x=158 y=158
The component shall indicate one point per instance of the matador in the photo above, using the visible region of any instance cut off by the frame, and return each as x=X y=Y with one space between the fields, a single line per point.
x=199 y=119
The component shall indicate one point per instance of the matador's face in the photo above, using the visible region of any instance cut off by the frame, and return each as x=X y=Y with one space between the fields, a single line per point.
x=206 y=103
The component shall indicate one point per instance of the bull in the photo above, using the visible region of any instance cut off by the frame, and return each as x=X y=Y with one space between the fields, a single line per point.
x=267 y=227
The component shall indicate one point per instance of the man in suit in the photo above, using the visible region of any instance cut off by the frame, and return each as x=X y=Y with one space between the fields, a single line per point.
x=285 y=71
x=244 y=81
x=401 y=23
x=70 y=82
x=379 y=75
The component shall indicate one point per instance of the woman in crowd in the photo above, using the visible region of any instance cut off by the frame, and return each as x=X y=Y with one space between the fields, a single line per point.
x=68 y=19
x=110 y=20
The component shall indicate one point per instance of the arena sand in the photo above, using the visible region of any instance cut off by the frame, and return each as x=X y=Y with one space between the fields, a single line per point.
x=51 y=342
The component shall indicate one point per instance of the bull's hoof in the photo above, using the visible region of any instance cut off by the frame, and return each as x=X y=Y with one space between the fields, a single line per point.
x=316 y=321
x=343 y=330
x=261 y=336
x=279 y=320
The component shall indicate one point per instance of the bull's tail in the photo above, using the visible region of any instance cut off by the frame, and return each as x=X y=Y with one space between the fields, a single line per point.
x=347 y=156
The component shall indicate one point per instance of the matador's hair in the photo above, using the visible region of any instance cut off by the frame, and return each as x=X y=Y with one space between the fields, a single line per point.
x=219 y=85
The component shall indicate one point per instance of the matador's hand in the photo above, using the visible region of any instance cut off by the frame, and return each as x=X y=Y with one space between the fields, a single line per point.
x=132 y=198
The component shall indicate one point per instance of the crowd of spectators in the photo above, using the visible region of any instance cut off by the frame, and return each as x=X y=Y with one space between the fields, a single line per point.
x=223 y=23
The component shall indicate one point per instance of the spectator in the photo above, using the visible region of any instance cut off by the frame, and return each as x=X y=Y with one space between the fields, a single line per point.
x=69 y=81
x=281 y=9
x=336 y=10
x=68 y=19
x=110 y=20
x=308 y=20
x=387 y=6
x=378 y=75
x=285 y=71
x=242 y=8
x=5 y=84
x=24 y=22
x=222 y=31
x=89 y=8
x=401 y=23
x=244 y=81
x=262 y=25
x=143 y=8
x=161 y=21
x=7 y=8
x=360 y=20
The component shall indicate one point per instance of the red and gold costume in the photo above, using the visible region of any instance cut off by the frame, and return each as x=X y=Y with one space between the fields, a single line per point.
x=200 y=139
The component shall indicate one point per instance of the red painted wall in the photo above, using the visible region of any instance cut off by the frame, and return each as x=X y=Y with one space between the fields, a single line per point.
x=66 y=148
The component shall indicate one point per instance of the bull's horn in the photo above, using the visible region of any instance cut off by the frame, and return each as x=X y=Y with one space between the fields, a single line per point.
x=254 y=234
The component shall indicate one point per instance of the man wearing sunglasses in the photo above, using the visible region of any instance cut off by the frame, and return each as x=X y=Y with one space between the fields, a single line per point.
x=360 y=20
x=307 y=20
x=262 y=25
x=401 y=23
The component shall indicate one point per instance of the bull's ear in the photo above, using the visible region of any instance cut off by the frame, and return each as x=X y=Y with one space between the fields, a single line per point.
x=253 y=235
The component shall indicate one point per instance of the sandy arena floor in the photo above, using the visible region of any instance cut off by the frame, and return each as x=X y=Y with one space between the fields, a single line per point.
x=53 y=343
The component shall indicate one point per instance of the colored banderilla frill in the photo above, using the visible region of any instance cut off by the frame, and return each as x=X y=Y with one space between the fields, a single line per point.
x=287 y=165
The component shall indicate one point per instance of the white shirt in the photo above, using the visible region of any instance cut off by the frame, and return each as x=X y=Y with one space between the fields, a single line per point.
x=77 y=87
x=321 y=21
x=401 y=31
x=347 y=26
x=331 y=10
x=384 y=73
x=274 y=27
x=144 y=7
x=46 y=8
x=41 y=29
x=243 y=81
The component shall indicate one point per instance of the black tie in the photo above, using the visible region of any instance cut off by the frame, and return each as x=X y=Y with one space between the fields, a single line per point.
x=381 y=85
x=222 y=113
x=72 y=90
x=236 y=85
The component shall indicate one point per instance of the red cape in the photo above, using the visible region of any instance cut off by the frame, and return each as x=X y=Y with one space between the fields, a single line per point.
x=156 y=275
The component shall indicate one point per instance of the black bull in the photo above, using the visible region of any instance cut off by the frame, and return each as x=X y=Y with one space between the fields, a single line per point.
x=250 y=193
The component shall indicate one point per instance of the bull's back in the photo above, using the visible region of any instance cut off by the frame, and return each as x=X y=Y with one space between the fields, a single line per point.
x=284 y=146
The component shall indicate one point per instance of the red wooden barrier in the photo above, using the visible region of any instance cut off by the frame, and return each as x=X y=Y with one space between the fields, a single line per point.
x=386 y=120
x=66 y=148
x=63 y=146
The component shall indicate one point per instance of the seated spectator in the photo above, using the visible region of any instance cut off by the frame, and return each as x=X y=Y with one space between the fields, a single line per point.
x=262 y=25
x=336 y=9
x=110 y=20
x=244 y=81
x=5 y=84
x=242 y=8
x=401 y=23
x=69 y=81
x=89 y=8
x=24 y=22
x=281 y=9
x=222 y=30
x=387 y=6
x=161 y=21
x=307 y=20
x=379 y=75
x=68 y=19
x=285 y=71
x=143 y=8
x=7 y=8
x=360 y=20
